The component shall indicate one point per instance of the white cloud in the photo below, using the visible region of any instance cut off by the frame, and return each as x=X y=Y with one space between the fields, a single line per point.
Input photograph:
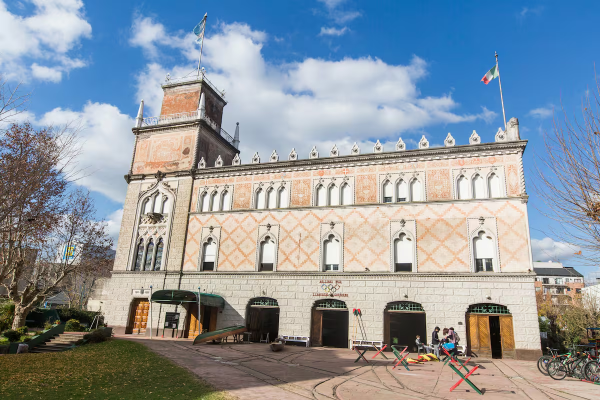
x=336 y=13
x=45 y=73
x=526 y=11
x=333 y=31
x=547 y=249
x=113 y=225
x=107 y=145
x=310 y=102
x=48 y=36
x=542 y=112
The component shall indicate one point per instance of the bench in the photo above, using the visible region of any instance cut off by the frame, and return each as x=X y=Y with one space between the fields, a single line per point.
x=301 y=339
x=378 y=344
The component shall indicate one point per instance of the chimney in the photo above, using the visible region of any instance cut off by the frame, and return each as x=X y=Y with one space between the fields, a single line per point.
x=236 y=136
x=140 y=116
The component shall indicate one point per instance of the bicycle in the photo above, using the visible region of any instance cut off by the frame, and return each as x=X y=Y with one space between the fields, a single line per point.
x=543 y=361
x=572 y=365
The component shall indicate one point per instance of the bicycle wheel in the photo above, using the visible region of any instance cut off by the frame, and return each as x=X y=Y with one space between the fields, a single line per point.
x=591 y=371
x=542 y=364
x=557 y=370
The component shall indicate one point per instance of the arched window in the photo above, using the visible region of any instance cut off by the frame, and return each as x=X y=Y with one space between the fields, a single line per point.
x=149 y=254
x=148 y=205
x=403 y=254
x=225 y=201
x=388 y=192
x=271 y=198
x=346 y=194
x=331 y=253
x=283 y=198
x=462 y=187
x=159 y=255
x=321 y=196
x=494 y=186
x=139 y=257
x=166 y=207
x=209 y=255
x=158 y=203
x=260 y=199
x=402 y=191
x=334 y=195
x=484 y=252
x=214 y=202
x=204 y=202
x=416 y=190
x=478 y=187
x=267 y=254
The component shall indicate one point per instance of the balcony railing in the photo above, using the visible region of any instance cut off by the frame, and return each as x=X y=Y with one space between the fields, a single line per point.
x=192 y=78
x=184 y=117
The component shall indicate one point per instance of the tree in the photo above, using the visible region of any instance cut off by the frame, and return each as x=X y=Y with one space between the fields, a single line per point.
x=569 y=177
x=12 y=100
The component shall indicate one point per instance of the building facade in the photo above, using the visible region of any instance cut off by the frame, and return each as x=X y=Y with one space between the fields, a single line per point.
x=292 y=244
x=558 y=281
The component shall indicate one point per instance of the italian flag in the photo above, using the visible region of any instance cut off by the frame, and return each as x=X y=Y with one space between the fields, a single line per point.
x=491 y=74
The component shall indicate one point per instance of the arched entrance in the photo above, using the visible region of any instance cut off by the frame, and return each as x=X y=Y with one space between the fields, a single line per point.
x=138 y=317
x=402 y=322
x=329 y=323
x=262 y=319
x=490 y=331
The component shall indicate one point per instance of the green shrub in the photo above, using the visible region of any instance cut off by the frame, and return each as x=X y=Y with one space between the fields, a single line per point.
x=96 y=336
x=7 y=314
x=23 y=330
x=25 y=339
x=73 y=325
x=83 y=316
x=48 y=325
x=12 y=336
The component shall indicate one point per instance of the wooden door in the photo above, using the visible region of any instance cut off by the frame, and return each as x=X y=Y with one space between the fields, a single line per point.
x=140 y=319
x=194 y=324
x=316 y=328
x=478 y=334
x=507 y=336
x=213 y=318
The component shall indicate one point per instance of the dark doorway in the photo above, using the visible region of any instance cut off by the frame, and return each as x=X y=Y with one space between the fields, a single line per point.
x=495 y=337
x=403 y=321
x=329 y=324
x=262 y=319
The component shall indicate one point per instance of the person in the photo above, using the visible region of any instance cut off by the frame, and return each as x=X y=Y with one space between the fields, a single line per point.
x=451 y=342
x=419 y=344
x=435 y=341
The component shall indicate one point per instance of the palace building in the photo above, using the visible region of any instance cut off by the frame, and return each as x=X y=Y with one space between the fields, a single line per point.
x=291 y=244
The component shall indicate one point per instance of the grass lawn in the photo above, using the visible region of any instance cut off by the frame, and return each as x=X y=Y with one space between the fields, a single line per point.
x=117 y=369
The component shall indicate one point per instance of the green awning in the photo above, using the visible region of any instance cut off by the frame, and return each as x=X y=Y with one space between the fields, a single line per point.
x=186 y=296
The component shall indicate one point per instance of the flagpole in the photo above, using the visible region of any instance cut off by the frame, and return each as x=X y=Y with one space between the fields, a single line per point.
x=202 y=44
x=500 y=84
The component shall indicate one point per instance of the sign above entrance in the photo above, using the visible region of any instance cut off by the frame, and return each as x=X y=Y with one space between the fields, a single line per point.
x=141 y=292
x=329 y=288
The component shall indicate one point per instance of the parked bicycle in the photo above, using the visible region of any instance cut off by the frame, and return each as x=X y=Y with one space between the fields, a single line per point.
x=573 y=365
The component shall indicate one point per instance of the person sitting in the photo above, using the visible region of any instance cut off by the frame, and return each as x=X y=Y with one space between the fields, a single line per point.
x=420 y=345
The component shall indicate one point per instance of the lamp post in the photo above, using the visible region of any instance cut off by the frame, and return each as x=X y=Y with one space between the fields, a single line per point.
x=150 y=316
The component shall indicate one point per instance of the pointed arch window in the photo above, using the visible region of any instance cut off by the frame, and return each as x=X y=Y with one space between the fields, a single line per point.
x=260 y=199
x=403 y=253
x=484 y=252
x=209 y=255
x=334 y=195
x=204 y=202
x=139 y=257
x=478 y=187
x=271 y=198
x=267 y=254
x=166 y=206
x=159 y=255
x=148 y=205
x=225 y=201
x=494 y=186
x=416 y=190
x=149 y=254
x=462 y=187
x=158 y=203
x=214 y=201
x=332 y=250
x=401 y=191
x=321 y=196
x=388 y=192
x=282 y=197
x=346 y=194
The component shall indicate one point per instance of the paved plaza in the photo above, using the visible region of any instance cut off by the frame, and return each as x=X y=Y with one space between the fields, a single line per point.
x=253 y=371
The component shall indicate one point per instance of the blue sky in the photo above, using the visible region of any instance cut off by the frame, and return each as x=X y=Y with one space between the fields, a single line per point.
x=304 y=73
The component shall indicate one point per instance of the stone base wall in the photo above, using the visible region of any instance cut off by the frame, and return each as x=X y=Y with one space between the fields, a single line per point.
x=445 y=298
